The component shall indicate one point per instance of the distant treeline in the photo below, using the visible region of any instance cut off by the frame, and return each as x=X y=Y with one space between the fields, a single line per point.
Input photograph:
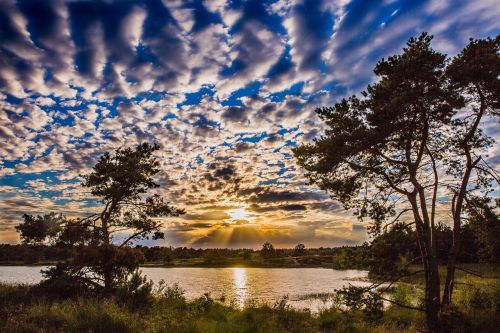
x=40 y=254
x=397 y=249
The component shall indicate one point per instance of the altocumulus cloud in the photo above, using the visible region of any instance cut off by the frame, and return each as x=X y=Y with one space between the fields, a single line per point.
x=225 y=87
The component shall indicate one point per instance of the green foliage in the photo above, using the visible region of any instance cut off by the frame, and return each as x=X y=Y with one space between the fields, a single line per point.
x=37 y=229
x=352 y=257
x=391 y=251
x=214 y=257
x=402 y=294
x=136 y=291
x=485 y=225
x=361 y=298
x=245 y=254
x=477 y=68
x=173 y=293
x=203 y=303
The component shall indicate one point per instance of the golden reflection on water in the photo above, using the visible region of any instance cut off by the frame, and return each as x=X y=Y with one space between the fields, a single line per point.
x=240 y=285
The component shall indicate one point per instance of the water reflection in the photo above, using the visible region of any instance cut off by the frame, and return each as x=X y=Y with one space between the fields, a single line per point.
x=306 y=287
x=240 y=285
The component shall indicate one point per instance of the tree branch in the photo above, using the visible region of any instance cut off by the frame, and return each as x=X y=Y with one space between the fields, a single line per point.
x=137 y=234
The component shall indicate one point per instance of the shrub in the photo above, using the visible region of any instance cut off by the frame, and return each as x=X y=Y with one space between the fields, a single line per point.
x=173 y=293
x=136 y=291
x=402 y=294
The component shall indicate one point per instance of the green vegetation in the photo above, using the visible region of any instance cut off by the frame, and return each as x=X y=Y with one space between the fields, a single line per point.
x=135 y=309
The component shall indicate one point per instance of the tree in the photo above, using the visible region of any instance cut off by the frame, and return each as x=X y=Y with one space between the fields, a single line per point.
x=167 y=255
x=474 y=73
x=485 y=225
x=120 y=182
x=299 y=250
x=245 y=254
x=267 y=250
x=392 y=252
x=383 y=154
x=352 y=257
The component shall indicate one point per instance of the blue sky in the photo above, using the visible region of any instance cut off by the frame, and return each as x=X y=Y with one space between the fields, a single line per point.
x=225 y=87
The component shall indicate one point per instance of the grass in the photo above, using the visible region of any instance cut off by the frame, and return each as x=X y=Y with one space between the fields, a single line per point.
x=477 y=309
x=170 y=312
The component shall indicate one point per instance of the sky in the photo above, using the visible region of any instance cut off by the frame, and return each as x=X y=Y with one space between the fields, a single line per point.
x=227 y=88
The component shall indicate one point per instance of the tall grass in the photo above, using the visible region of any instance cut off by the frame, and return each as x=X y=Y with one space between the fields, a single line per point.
x=477 y=309
x=169 y=312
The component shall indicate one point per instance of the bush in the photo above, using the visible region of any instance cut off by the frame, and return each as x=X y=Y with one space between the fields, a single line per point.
x=172 y=293
x=60 y=285
x=136 y=291
x=402 y=294
x=203 y=303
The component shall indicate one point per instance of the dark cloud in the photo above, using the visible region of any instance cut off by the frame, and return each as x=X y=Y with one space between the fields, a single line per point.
x=235 y=114
x=358 y=228
x=241 y=147
x=269 y=208
x=269 y=195
x=221 y=175
x=293 y=207
x=207 y=215
x=326 y=205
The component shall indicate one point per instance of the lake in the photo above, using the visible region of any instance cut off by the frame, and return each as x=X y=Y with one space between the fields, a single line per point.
x=306 y=287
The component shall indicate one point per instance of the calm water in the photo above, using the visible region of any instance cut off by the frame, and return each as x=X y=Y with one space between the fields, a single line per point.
x=305 y=287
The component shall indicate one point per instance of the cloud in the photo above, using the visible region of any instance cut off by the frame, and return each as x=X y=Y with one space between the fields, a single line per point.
x=255 y=50
x=268 y=195
x=226 y=88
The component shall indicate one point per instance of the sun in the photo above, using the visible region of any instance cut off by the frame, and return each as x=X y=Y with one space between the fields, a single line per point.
x=238 y=214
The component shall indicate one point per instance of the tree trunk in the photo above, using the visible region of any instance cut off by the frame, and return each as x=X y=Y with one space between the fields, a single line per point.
x=456 y=209
x=108 y=279
x=107 y=267
x=432 y=285
x=432 y=297
x=450 y=267
x=425 y=242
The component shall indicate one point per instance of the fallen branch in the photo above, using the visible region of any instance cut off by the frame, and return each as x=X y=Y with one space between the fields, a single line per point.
x=469 y=271
x=397 y=303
